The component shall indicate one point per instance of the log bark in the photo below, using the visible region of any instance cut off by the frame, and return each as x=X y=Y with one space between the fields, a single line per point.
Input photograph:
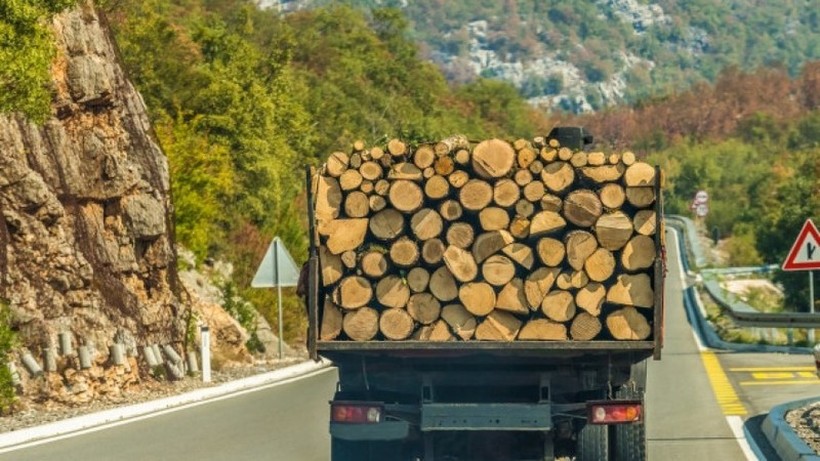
x=498 y=270
x=453 y=143
x=387 y=224
x=612 y=196
x=443 y=285
x=437 y=187
x=632 y=290
x=538 y=284
x=579 y=245
x=582 y=207
x=404 y=252
x=585 y=327
x=477 y=297
x=357 y=205
x=638 y=253
x=432 y=251
x=550 y=251
x=645 y=222
x=600 y=265
x=460 y=234
x=374 y=264
x=512 y=298
x=543 y=330
x=426 y=224
x=558 y=176
x=405 y=196
x=418 y=279
x=639 y=174
x=498 y=326
x=450 y=210
x=493 y=218
x=475 y=195
x=558 y=305
x=391 y=291
x=613 y=230
x=628 y=324
x=331 y=326
x=332 y=269
x=361 y=324
x=489 y=243
x=520 y=253
x=546 y=222
x=353 y=292
x=493 y=158
x=640 y=197
x=591 y=297
x=460 y=320
x=506 y=192
x=461 y=263
x=424 y=308
x=345 y=234
x=396 y=324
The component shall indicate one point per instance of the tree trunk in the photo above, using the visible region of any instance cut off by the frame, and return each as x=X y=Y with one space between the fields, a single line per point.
x=373 y=264
x=580 y=245
x=391 y=291
x=493 y=158
x=612 y=196
x=498 y=270
x=424 y=308
x=404 y=252
x=534 y=191
x=538 y=284
x=640 y=197
x=426 y=224
x=350 y=180
x=558 y=176
x=628 y=324
x=591 y=297
x=353 y=292
x=493 y=218
x=639 y=174
x=638 y=253
x=558 y=305
x=396 y=324
x=458 y=178
x=387 y=224
x=524 y=208
x=520 y=253
x=645 y=222
x=337 y=164
x=543 y=330
x=460 y=234
x=477 y=297
x=361 y=324
x=546 y=222
x=613 y=230
x=371 y=171
x=600 y=265
x=632 y=290
x=582 y=207
x=585 y=327
x=331 y=321
x=345 y=234
x=512 y=298
x=520 y=227
x=418 y=279
x=424 y=156
x=328 y=199
x=443 y=285
x=357 y=205
x=550 y=251
x=604 y=173
x=450 y=210
x=498 y=326
x=437 y=187
x=332 y=269
x=461 y=263
x=506 y=192
x=489 y=243
x=432 y=251
x=349 y=259
x=461 y=321
x=475 y=195
x=396 y=147
x=405 y=196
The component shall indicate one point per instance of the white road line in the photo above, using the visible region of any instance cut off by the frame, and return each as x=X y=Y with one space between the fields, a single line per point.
x=736 y=424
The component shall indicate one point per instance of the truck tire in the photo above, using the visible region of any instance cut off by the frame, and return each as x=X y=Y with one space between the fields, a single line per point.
x=593 y=443
x=630 y=439
x=345 y=450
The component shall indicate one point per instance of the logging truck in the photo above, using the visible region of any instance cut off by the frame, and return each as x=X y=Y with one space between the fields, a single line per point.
x=486 y=300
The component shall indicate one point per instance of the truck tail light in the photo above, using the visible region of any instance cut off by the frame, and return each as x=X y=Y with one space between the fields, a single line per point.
x=614 y=412
x=358 y=412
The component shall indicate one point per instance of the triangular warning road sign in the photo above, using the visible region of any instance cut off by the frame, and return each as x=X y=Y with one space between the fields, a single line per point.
x=276 y=266
x=805 y=253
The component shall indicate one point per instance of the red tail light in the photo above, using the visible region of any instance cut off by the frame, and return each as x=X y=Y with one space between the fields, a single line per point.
x=614 y=412
x=358 y=412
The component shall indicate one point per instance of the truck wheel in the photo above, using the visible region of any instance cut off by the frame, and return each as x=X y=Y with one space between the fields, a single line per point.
x=345 y=450
x=630 y=439
x=593 y=443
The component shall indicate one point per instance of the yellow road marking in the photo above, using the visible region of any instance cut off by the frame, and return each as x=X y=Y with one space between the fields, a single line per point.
x=724 y=391
x=772 y=375
x=779 y=383
x=807 y=374
x=753 y=369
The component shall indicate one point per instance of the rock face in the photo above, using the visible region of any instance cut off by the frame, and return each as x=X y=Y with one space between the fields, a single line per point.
x=85 y=236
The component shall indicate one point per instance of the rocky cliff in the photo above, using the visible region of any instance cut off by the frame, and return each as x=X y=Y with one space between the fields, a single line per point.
x=86 y=247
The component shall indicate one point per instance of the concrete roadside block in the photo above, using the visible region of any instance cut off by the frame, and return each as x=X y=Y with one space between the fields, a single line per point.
x=783 y=439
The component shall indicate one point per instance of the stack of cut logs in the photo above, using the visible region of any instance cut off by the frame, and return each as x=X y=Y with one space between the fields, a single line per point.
x=489 y=241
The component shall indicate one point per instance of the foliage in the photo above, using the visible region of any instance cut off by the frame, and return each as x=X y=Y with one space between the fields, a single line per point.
x=26 y=52
x=244 y=313
x=8 y=340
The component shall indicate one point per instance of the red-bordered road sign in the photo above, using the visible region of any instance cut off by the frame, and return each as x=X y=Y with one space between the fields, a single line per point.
x=805 y=253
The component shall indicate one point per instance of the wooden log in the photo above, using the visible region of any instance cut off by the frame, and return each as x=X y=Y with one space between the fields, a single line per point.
x=628 y=324
x=452 y=144
x=328 y=201
x=558 y=305
x=424 y=156
x=418 y=278
x=522 y=177
x=520 y=253
x=563 y=281
x=437 y=187
x=337 y=164
x=429 y=172
x=426 y=224
x=632 y=290
x=591 y=297
x=382 y=187
x=387 y=224
x=536 y=167
x=498 y=326
x=578 y=279
x=582 y=207
x=377 y=203
x=376 y=153
x=405 y=171
x=462 y=157
x=596 y=158
x=424 y=308
x=350 y=180
x=558 y=176
x=613 y=158
x=613 y=230
x=546 y=222
x=439 y=332
x=506 y=192
x=542 y=330
x=331 y=264
x=534 y=191
x=520 y=227
x=604 y=173
x=460 y=320
x=331 y=326
x=512 y=298
x=444 y=166
x=443 y=285
x=358 y=145
x=460 y=234
x=548 y=154
x=564 y=153
x=357 y=205
x=346 y=234
x=374 y=264
x=538 y=284
x=349 y=259
x=638 y=253
x=645 y=222
x=489 y=243
x=525 y=157
x=600 y=265
x=584 y=327
x=405 y=196
x=477 y=297
x=639 y=174
x=353 y=292
x=361 y=324
x=475 y=195
x=612 y=195
x=396 y=324
x=404 y=252
x=551 y=202
x=498 y=270
x=432 y=251
x=520 y=143
x=640 y=197
x=578 y=159
x=493 y=158
x=461 y=263
x=579 y=246
x=493 y=218
x=366 y=187
x=550 y=251
x=524 y=208
x=450 y=210
x=391 y=291
x=371 y=171
x=628 y=158
x=396 y=147
x=458 y=178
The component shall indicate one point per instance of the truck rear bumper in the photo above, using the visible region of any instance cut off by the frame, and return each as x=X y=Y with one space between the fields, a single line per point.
x=486 y=416
x=385 y=430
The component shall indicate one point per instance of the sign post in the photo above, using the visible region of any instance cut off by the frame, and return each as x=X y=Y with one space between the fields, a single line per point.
x=804 y=256
x=277 y=270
